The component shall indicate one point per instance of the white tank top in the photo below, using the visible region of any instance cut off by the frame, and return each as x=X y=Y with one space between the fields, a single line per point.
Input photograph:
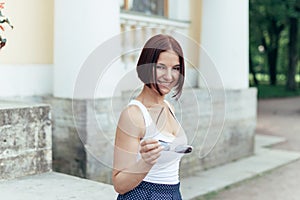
x=166 y=170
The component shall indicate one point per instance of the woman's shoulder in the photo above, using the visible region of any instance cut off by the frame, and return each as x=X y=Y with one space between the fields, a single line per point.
x=132 y=112
x=131 y=118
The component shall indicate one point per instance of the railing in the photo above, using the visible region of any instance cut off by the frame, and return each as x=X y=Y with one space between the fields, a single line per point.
x=145 y=26
x=130 y=21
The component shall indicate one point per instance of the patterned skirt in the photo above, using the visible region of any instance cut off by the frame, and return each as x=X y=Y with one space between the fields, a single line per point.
x=152 y=191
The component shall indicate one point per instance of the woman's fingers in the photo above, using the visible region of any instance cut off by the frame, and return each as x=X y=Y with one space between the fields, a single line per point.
x=150 y=150
x=148 y=145
x=149 y=141
x=152 y=156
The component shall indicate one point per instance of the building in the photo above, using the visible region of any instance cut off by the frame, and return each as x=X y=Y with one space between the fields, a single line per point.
x=79 y=58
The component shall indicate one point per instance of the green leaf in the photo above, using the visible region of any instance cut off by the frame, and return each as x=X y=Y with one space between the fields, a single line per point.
x=8 y=22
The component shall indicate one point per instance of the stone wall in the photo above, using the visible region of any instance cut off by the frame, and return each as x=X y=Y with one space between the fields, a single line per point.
x=25 y=140
x=221 y=129
x=69 y=155
x=219 y=124
x=220 y=137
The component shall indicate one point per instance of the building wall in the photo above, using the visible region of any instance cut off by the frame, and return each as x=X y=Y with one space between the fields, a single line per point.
x=31 y=40
x=220 y=128
x=195 y=25
x=26 y=61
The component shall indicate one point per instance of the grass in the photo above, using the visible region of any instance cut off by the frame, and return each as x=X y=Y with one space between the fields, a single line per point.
x=265 y=90
x=268 y=91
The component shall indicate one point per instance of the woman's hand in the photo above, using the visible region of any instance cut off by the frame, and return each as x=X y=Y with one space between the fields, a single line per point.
x=150 y=151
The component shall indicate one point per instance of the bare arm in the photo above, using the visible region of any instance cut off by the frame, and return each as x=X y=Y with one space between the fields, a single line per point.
x=128 y=172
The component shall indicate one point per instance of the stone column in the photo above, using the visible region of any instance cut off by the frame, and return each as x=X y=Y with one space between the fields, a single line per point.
x=223 y=77
x=79 y=29
x=224 y=38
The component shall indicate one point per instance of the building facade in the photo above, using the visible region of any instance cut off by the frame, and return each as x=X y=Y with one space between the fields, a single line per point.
x=80 y=57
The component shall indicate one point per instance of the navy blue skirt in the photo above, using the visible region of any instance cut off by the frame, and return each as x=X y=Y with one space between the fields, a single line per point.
x=152 y=191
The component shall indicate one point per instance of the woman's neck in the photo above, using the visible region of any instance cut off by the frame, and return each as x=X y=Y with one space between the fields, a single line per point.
x=150 y=97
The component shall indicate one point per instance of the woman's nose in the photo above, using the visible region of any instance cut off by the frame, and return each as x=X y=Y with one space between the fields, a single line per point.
x=168 y=74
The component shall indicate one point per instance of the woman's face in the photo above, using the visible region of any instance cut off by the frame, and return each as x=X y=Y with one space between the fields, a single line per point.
x=167 y=71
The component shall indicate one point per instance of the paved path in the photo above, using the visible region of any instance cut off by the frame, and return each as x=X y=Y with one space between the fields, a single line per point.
x=278 y=117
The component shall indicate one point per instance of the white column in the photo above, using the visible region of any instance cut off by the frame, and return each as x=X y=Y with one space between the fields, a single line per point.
x=79 y=29
x=224 y=38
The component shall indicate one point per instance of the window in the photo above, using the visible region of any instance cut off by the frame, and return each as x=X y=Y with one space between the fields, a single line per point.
x=149 y=7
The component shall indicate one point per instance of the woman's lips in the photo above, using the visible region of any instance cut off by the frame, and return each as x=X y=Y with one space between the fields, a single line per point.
x=166 y=84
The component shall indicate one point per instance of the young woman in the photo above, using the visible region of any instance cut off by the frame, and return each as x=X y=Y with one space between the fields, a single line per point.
x=144 y=168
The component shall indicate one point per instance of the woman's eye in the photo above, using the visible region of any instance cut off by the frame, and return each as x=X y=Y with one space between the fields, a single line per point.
x=176 y=68
x=160 y=67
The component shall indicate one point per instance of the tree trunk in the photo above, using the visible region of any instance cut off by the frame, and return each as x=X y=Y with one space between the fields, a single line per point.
x=293 y=54
x=272 y=49
x=252 y=71
x=272 y=60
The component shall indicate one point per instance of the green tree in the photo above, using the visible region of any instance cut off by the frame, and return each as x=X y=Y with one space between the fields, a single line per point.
x=267 y=21
x=293 y=15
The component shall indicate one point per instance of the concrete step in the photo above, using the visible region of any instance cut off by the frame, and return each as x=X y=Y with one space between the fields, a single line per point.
x=218 y=178
x=55 y=186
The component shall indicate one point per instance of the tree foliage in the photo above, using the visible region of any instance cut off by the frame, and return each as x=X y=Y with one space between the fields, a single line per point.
x=273 y=37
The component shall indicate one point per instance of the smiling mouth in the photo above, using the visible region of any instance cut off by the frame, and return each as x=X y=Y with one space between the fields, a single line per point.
x=166 y=84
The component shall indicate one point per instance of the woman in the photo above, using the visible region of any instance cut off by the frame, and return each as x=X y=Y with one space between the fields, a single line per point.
x=143 y=168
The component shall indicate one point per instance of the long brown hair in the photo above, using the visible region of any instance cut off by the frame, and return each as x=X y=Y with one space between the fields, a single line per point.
x=147 y=61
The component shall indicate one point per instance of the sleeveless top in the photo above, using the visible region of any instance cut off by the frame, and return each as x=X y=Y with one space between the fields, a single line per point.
x=166 y=169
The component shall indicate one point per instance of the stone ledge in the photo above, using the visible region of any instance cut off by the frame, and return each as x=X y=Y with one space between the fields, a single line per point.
x=25 y=139
x=50 y=186
x=18 y=104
